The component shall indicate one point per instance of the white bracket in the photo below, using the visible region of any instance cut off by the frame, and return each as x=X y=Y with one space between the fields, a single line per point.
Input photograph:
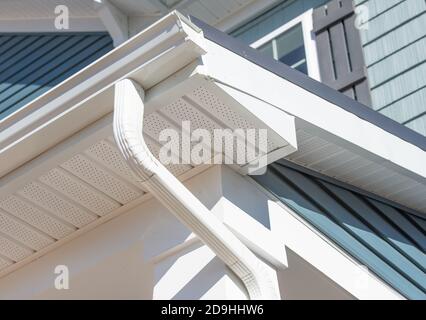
x=114 y=20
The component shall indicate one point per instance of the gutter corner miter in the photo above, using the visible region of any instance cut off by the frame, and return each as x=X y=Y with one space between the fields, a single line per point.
x=166 y=188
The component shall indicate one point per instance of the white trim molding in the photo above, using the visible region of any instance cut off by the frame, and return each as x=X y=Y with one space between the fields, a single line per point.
x=114 y=20
x=128 y=128
x=305 y=20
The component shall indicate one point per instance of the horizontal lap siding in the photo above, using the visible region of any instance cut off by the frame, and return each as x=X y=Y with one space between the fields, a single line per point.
x=395 y=53
x=378 y=7
x=31 y=64
x=386 y=239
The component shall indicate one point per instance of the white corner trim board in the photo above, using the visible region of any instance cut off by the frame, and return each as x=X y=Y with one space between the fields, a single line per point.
x=128 y=126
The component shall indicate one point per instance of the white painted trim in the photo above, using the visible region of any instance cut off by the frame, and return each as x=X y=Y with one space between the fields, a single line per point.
x=310 y=45
x=312 y=111
x=277 y=32
x=306 y=21
x=55 y=156
x=114 y=20
x=86 y=96
x=324 y=256
x=256 y=237
x=299 y=236
x=156 y=53
x=128 y=128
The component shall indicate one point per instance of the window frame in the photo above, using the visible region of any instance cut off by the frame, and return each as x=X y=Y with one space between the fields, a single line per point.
x=306 y=21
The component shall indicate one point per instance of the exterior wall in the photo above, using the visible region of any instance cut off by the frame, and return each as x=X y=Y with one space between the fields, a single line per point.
x=143 y=254
x=394 y=46
x=395 y=52
x=147 y=254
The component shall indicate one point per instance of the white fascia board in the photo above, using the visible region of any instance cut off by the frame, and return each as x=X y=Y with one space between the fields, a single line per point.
x=281 y=126
x=248 y=222
x=161 y=52
x=225 y=187
x=355 y=133
x=256 y=237
x=155 y=54
x=324 y=256
x=165 y=60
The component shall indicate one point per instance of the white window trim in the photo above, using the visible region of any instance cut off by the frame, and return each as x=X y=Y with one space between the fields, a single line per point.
x=306 y=21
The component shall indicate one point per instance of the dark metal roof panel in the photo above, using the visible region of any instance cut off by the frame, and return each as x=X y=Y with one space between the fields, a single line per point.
x=31 y=64
x=389 y=241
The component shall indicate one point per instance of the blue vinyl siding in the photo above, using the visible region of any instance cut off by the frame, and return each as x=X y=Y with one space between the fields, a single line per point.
x=388 y=240
x=31 y=64
x=395 y=53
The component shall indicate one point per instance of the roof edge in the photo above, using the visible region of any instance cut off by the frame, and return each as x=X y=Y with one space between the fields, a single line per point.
x=339 y=99
x=33 y=124
x=345 y=185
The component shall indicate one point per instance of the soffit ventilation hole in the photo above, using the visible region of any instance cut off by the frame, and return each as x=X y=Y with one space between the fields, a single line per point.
x=175 y=169
x=12 y=250
x=76 y=190
x=22 y=233
x=154 y=124
x=56 y=204
x=109 y=156
x=212 y=104
x=181 y=111
x=35 y=217
x=86 y=170
x=4 y=263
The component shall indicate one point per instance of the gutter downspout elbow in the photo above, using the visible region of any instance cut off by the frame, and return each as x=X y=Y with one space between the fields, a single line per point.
x=165 y=187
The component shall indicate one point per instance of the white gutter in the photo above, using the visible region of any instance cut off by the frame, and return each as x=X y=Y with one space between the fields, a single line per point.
x=152 y=56
x=128 y=128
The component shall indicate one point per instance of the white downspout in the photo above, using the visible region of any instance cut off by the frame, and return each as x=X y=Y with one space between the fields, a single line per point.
x=128 y=126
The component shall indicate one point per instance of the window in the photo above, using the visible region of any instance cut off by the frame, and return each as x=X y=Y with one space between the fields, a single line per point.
x=288 y=48
x=293 y=44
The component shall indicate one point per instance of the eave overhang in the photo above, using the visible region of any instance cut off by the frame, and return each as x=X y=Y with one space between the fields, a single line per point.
x=336 y=135
x=67 y=175
x=167 y=60
x=61 y=143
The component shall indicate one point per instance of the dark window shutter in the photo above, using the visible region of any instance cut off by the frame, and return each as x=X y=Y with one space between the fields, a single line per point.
x=340 y=55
